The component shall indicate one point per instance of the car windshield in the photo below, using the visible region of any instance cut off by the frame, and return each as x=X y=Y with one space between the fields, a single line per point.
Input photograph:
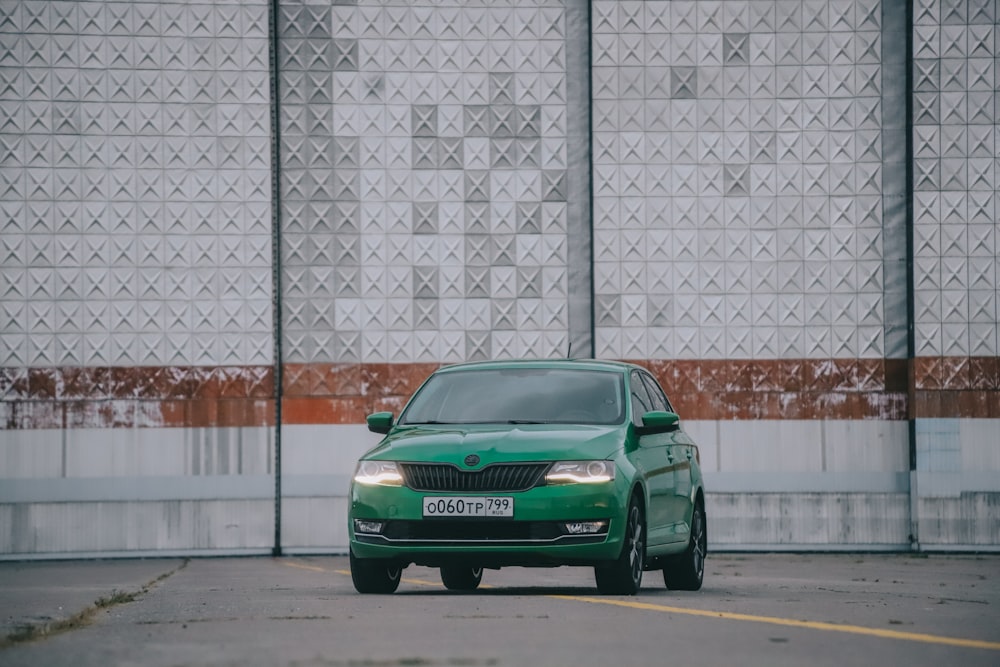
x=519 y=396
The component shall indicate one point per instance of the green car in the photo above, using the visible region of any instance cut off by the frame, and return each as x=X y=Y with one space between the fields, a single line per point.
x=534 y=464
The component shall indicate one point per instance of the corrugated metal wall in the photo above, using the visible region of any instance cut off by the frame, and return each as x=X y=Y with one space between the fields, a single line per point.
x=721 y=191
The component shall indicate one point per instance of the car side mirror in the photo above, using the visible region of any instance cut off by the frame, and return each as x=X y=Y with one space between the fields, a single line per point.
x=659 y=421
x=379 y=422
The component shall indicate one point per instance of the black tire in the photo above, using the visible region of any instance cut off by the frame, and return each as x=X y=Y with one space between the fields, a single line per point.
x=372 y=575
x=461 y=578
x=686 y=571
x=624 y=575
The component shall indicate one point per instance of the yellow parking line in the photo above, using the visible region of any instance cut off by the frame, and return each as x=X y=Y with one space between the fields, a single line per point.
x=415 y=582
x=315 y=568
x=302 y=566
x=788 y=622
x=773 y=620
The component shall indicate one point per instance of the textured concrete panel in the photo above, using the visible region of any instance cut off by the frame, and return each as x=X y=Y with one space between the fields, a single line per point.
x=441 y=126
x=741 y=170
x=135 y=181
x=956 y=179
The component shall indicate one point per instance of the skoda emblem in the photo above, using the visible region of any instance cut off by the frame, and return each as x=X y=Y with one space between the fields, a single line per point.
x=471 y=460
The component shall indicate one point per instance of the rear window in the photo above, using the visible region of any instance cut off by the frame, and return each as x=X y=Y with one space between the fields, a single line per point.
x=519 y=395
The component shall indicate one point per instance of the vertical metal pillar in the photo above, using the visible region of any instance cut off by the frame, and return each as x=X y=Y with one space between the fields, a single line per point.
x=580 y=178
x=273 y=35
x=911 y=333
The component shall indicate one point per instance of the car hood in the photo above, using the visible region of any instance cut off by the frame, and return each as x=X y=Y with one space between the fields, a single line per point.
x=500 y=443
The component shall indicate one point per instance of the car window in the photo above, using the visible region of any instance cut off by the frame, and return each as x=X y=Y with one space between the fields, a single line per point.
x=656 y=394
x=519 y=395
x=640 y=398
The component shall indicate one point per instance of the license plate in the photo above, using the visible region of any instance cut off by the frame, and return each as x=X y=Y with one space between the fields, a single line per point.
x=451 y=506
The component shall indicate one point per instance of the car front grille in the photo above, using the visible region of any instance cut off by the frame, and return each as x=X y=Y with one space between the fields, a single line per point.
x=496 y=478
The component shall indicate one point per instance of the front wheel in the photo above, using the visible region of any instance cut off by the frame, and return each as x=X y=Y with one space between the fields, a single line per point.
x=459 y=578
x=686 y=571
x=372 y=575
x=624 y=575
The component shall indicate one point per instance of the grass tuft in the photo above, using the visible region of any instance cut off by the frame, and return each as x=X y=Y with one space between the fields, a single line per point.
x=117 y=597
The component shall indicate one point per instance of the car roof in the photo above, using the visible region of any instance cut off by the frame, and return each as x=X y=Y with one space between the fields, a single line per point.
x=569 y=364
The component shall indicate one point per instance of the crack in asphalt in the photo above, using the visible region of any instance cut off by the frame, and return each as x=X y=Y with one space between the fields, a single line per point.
x=30 y=632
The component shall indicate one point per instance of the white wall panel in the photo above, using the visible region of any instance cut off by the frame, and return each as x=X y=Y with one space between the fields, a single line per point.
x=167 y=451
x=136 y=528
x=324 y=449
x=866 y=446
x=26 y=454
x=139 y=490
x=771 y=446
x=980 y=442
x=964 y=521
x=808 y=520
x=316 y=523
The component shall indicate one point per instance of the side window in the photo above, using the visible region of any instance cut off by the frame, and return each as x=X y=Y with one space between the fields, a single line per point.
x=656 y=391
x=640 y=398
x=656 y=397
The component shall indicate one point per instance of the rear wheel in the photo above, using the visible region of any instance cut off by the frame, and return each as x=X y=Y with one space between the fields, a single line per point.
x=624 y=575
x=461 y=578
x=373 y=575
x=685 y=571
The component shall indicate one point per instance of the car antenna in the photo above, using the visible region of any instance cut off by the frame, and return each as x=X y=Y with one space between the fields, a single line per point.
x=569 y=351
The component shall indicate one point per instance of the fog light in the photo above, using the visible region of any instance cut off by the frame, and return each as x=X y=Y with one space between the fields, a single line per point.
x=370 y=527
x=584 y=527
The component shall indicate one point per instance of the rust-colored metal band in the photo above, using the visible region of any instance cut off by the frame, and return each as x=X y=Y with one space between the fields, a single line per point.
x=344 y=393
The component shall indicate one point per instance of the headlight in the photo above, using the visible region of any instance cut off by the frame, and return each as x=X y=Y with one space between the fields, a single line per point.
x=381 y=473
x=580 y=472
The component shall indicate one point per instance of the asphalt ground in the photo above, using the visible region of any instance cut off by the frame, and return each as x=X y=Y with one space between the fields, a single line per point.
x=754 y=609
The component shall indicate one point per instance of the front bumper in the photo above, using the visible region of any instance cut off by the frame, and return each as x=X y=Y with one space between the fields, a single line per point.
x=534 y=536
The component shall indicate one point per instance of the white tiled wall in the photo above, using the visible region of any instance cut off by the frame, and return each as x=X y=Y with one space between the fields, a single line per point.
x=956 y=172
x=424 y=180
x=738 y=179
x=134 y=184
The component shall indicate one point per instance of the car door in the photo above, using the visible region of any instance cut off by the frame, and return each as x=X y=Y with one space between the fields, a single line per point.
x=680 y=453
x=651 y=458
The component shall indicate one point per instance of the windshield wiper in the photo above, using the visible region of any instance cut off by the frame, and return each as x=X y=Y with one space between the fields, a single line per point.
x=429 y=422
x=434 y=422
